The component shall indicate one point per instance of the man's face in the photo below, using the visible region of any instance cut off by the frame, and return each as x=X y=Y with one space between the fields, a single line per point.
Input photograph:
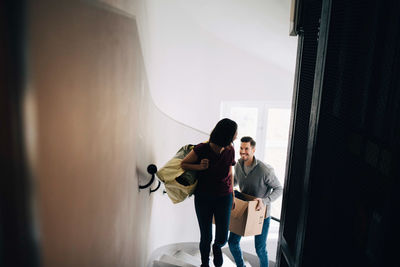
x=246 y=151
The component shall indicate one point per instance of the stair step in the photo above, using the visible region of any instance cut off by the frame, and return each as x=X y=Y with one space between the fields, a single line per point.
x=172 y=260
x=186 y=257
x=227 y=261
x=157 y=263
x=181 y=258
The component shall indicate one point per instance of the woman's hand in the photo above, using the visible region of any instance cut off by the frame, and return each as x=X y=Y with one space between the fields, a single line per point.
x=204 y=164
x=190 y=162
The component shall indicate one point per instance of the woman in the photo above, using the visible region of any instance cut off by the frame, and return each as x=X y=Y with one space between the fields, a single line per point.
x=214 y=192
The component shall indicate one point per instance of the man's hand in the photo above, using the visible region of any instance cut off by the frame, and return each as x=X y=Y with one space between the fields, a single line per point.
x=260 y=204
x=204 y=164
x=233 y=202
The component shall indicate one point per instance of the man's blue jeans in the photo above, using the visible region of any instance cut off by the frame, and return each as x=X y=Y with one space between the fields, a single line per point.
x=260 y=243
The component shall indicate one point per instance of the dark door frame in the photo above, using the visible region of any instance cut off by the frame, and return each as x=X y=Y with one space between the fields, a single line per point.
x=292 y=253
x=17 y=242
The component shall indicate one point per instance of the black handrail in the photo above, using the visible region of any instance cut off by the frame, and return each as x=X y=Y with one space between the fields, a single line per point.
x=275 y=219
x=151 y=169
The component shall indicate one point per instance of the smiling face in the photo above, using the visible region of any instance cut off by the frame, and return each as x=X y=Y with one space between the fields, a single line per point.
x=247 y=151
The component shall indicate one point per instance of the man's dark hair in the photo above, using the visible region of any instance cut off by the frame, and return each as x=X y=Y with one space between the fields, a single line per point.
x=246 y=139
x=223 y=132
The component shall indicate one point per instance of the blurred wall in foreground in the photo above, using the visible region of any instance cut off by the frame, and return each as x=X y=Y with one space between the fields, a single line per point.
x=85 y=73
x=91 y=131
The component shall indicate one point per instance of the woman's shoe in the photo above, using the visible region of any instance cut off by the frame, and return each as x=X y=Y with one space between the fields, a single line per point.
x=218 y=260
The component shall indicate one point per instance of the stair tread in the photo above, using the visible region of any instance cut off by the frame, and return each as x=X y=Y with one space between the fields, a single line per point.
x=227 y=261
x=157 y=263
x=172 y=260
x=186 y=257
x=181 y=258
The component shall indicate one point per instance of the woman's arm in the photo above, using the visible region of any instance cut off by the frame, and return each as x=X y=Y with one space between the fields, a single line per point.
x=233 y=179
x=233 y=184
x=188 y=163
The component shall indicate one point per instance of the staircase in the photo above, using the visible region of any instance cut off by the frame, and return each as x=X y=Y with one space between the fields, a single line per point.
x=188 y=255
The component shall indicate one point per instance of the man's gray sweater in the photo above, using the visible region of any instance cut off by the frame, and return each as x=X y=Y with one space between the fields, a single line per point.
x=260 y=182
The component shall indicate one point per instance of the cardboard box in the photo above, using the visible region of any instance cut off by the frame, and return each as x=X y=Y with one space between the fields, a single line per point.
x=245 y=219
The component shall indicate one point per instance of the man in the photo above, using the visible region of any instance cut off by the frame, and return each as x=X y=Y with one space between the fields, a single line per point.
x=257 y=179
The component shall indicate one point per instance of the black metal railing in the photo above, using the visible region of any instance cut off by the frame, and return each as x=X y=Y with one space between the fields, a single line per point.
x=275 y=219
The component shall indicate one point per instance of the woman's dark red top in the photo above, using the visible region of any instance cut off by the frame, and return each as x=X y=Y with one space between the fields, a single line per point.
x=216 y=180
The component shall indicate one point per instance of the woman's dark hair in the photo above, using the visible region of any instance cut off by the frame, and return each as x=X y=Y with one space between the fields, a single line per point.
x=223 y=132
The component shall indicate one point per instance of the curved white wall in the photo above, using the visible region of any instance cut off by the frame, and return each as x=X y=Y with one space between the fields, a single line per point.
x=199 y=53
